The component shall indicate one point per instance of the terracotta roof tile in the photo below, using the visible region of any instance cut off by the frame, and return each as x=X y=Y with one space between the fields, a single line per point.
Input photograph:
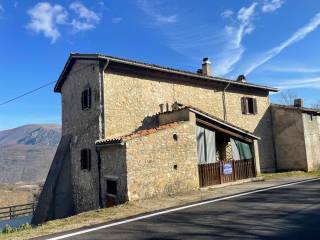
x=137 y=134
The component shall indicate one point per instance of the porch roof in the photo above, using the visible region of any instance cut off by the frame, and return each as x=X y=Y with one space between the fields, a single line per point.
x=136 y=134
x=217 y=122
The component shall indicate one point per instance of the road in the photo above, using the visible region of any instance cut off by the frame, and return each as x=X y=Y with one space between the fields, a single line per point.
x=290 y=212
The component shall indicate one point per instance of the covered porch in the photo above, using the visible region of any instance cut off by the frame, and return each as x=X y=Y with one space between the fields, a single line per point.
x=225 y=152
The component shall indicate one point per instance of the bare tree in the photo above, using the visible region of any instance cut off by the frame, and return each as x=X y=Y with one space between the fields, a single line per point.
x=287 y=97
x=316 y=104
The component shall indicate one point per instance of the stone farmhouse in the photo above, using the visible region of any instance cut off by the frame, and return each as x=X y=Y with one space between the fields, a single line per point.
x=134 y=130
x=297 y=136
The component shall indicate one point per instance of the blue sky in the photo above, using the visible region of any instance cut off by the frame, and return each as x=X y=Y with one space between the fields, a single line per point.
x=273 y=42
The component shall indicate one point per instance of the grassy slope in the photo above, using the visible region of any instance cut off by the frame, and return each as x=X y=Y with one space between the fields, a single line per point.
x=11 y=194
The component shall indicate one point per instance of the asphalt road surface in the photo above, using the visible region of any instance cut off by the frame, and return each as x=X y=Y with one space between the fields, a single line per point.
x=291 y=212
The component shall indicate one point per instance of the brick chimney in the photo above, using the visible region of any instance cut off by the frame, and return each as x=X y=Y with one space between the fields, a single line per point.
x=298 y=102
x=206 y=67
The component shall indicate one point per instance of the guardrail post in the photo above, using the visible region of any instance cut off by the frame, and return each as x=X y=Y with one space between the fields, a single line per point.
x=10 y=213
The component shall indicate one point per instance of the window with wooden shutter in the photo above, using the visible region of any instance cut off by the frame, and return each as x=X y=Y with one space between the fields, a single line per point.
x=255 y=106
x=244 y=105
x=86 y=99
x=249 y=105
x=86 y=159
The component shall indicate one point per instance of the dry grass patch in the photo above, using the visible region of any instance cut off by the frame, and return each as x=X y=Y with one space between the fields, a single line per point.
x=267 y=176
x=14 y=194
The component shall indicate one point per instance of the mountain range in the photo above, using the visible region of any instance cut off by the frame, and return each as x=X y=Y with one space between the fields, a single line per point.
x=26 y=152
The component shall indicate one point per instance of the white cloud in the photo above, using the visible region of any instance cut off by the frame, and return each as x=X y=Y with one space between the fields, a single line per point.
x=293 y=69
x=87 y=19
x=296 y=37
x=49 y=19
x=153 y=11
x=227 y=13
x=84 y=13
x=300 y=83
x=233 y=50
x=45 y=19
x=271 y=6
x=246 y=14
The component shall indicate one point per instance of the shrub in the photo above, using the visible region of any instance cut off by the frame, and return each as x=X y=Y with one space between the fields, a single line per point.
x=8 y=229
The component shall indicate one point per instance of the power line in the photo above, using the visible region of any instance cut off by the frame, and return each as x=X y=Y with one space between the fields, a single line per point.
x=27 y=93
x=43 y=86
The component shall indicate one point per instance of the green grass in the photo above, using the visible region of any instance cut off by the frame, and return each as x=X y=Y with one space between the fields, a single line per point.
x=116 y=213
x=291 y=174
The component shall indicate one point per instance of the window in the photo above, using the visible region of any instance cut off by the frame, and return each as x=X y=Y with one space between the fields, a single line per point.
x=249 y=105
x=112 y=187
x=86 y=159
x=86 y=99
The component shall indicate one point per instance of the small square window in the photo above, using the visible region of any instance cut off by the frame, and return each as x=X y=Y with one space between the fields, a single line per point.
x=86 y=99
x=86 y=159
x=112 y=187
x=249 y=105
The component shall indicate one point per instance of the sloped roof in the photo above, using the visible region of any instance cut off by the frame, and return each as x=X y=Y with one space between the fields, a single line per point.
x=100 y=57
x=301 y=109
x=215 y=119
x=136 y=134
x=141 y=133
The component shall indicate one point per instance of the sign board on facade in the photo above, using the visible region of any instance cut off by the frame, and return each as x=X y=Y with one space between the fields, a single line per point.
x=227 y=169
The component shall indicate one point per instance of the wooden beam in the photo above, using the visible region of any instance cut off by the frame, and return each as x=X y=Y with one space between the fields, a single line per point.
x=223 y=130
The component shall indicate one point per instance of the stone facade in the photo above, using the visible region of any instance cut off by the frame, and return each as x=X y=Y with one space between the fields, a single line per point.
x=83 y=126
x=136 y=98
x=312 y=140
x=297 y=139
x=123 y=103
x=154 y=164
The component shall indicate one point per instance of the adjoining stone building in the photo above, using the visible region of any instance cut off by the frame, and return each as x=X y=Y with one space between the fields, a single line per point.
x=297 y=137
x=119 y=121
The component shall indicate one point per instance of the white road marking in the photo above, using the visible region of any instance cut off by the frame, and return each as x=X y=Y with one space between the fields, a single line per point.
x=178 y=209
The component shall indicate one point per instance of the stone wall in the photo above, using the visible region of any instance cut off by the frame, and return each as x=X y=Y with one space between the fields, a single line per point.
x=289 y=139
x=312 y=141
x=135 y=98
x=83 y=125
x=159 y=165
x=114 y=167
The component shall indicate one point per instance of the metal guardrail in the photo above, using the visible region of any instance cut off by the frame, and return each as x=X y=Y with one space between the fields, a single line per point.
x=11 y=212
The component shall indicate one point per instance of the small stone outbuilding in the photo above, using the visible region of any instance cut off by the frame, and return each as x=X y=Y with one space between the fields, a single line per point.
x=296 y=132
x=175 y=157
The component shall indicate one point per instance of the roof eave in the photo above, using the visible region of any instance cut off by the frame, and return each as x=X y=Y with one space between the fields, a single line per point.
x=226 y=125
x=73 y=56
x=110 y=144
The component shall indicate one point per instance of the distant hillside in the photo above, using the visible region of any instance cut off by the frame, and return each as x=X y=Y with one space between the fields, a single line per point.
x=26 y=152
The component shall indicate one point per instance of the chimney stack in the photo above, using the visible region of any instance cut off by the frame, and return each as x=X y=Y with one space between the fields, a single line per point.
x=241 y=78
x=298 y=102
x=206 y=67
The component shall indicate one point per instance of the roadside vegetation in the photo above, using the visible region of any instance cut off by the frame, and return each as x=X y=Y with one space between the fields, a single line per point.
x=134 y=208
x=291 y=174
